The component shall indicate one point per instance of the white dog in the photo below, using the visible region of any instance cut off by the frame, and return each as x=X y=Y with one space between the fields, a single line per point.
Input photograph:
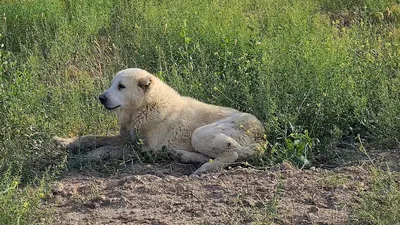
x=195 y=131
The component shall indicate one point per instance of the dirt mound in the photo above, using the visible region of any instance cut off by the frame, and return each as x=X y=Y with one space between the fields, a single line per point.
x=283 y=195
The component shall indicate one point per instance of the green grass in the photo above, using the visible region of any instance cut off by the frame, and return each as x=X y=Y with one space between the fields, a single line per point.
x=380 y=204
x=314 y=72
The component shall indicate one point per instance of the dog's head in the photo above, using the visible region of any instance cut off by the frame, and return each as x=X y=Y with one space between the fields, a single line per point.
x=128 y=89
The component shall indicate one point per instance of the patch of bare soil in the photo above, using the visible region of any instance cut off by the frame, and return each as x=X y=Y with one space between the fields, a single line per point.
x=160 y=194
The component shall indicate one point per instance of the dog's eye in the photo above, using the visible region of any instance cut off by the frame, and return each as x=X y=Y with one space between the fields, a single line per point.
x=120 y=86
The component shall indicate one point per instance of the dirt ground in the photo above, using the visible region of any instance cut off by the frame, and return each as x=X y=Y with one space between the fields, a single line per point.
x=167 y=194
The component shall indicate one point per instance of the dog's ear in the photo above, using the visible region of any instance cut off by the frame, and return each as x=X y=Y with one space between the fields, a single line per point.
x=145 y=82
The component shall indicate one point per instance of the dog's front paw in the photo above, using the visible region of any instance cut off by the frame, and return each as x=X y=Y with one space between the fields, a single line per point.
x=177 y=154
x=65 y=142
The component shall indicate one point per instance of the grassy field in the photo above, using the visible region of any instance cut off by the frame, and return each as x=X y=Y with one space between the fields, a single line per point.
x=315 y=72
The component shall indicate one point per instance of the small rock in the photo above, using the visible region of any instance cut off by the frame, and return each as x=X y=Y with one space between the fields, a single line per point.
x=180 y=188
x=287 y=173
x=58 y=199
x=169 y=178
x=113 y=200
x=63 y=193
x=128 y=185
x=217 y=213
x=313 y=209
x=56 y=188
x=73 y=191
x=48 y=196
x=286 y=166
x=135 y=178
x=98 y=182
x=250 y=202
x=112 y=184
x=92 y=205
x=100 y=198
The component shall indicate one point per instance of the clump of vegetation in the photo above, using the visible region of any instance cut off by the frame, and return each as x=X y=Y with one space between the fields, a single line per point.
x=379 y=205
x=19 y=205
x=314 y=72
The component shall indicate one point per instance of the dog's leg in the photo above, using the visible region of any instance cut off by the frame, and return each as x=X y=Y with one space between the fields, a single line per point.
x=218 y=163
x=225 y=149
x=86 y=143
x=191 y=157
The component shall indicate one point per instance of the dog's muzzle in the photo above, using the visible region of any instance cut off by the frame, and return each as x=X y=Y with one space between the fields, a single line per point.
x=104 y=100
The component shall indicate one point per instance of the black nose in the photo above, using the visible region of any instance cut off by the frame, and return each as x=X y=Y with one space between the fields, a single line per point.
x=103 y=99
